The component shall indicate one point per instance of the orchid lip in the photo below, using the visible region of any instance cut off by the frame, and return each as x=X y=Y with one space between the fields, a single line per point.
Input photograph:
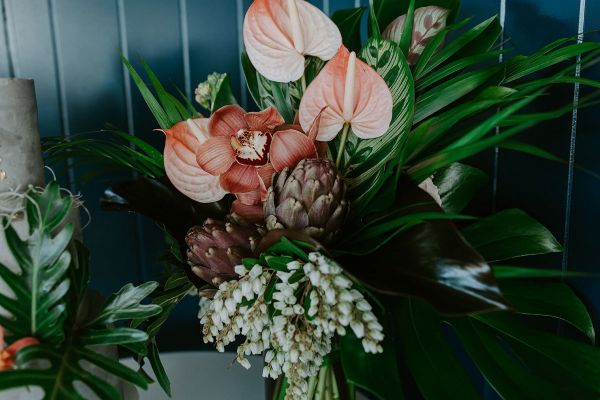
x=251 y=147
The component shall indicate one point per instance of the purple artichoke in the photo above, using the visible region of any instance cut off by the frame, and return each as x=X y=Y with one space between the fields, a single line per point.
x=310 y=198
x=216 y=247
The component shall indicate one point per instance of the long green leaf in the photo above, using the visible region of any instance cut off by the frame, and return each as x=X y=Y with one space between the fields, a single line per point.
x=407 y=30
x=376 y=373
x=157 y=110
x=174 y=110
x=516 y=272
x=510 y=234
x=575 y=364
x=450 y=91
x=457 y=184
x=436 y=370
x=454 y=47
x=506 y=374
x=549 y=299
x=348 y=22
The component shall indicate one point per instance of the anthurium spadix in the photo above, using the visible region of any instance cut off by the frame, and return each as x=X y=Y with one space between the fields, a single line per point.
x=182 y=142
x=348 y=93
x=278 y=34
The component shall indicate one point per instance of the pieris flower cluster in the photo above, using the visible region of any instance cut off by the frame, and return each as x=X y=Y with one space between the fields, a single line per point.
x=292 y=315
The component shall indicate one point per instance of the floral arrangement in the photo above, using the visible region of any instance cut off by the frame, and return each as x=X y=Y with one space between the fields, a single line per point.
x=330 y=231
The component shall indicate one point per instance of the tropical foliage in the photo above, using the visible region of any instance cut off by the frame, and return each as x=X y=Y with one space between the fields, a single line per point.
x=52 y=304
x=432 y=270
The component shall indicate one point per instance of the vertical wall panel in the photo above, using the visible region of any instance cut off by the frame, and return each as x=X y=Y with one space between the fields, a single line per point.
x=5 y=68
x=335 y=5
x=585 y=214
x=87 y=37
x=486 y=161
x=317 y=3
x=29 y=27
x=153 y=32
x=34 y=58
x=214 y=41
x=537 y=186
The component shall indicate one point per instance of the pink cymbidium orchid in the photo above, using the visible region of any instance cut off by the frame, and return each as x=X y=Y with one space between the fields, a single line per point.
x=182 y=141
x=349 y=94
x=278 y=34
x=8 y=353
x=246 y=149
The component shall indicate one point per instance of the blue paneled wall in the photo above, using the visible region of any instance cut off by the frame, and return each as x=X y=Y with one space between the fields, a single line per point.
x=70 y=48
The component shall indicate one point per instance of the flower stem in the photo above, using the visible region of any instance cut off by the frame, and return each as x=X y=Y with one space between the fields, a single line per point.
x=334 y=387
x=303 y=83
x=277 y=388
x=342 y=148
x=328 y=382
x=351 y=391
x=312 y=387
x=319 y=395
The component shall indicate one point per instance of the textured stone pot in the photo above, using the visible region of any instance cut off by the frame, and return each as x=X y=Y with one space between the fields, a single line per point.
x=20 y=151
x=21 y=162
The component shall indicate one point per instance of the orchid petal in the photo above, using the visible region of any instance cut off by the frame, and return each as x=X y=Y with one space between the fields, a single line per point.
x=251 y=213
x=181 y=167
x=428 y=21
x=265 y=173
x=264 y=120
x=279 y=33
x=240 y=179
x=227 y=120
x=290 y=147
x=313 y=131
x=361 y=99
x=249 y=198
x=215 y=155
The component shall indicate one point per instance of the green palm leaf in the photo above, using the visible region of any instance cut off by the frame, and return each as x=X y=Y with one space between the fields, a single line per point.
x=112 y=148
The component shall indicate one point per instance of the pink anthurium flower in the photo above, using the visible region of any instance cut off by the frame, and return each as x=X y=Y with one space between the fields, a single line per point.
x=348 y=93
x=245 y=149
x=7 y=353
x=182 y=141
x=279 y=33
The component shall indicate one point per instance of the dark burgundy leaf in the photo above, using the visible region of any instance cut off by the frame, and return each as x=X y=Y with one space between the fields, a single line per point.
x=431 y=261
x=158 y=200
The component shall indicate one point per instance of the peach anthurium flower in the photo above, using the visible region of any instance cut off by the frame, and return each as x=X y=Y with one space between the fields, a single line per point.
x=347 y=92
x=181 y=167
x=279 y=33
x=7 y=353
x=245 y=149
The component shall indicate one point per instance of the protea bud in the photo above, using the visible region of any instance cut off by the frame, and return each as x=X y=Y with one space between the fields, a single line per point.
x=310 y=198
x=216 y=247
